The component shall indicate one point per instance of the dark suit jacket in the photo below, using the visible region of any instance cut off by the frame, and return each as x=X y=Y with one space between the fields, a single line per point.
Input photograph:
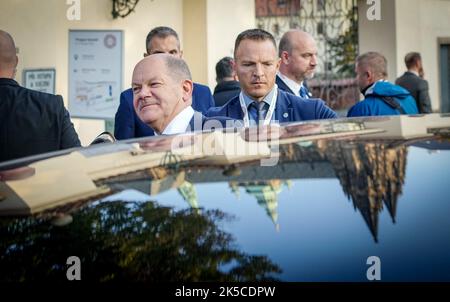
x=289 y=108
x=128 y=124
x=418 y=88
x=200 y=122
x=282 y=85
x=32 y=122
x=225 y=91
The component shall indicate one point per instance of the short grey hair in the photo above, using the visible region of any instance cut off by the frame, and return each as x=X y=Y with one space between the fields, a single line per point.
x=178 y=69
x=160 y=32
x=375 y=61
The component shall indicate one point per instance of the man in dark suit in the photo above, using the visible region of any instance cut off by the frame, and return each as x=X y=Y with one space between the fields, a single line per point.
x=413 y=81
x=31 y=122
x=227 y=85
x=127 y=124
x=260 y=101
x=162 y=96
x=298 y=53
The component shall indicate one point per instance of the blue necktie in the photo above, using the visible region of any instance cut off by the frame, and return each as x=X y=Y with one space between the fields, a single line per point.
x=256 y=111
x=303 y=92
x=253 y=111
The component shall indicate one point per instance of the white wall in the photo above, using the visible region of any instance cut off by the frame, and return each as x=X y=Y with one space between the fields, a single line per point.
x=225 y=20
x=379 y=35
x=40 y=29
x=419 y=25
x=194 y=31
x=408 y=25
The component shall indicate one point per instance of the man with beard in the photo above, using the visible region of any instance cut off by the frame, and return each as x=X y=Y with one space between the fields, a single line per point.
x=298 y=54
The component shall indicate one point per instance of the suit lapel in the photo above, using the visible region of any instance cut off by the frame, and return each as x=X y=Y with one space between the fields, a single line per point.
x=282 y=85
x=198 y=119
x=283 y=109
x=235 y=110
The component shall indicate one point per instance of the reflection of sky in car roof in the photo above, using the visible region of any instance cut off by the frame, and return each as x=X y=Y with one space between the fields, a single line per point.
x=328 y=204
x=321 y=236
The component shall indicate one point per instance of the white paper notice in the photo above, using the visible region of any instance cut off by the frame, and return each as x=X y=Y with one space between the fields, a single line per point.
x=95 y=73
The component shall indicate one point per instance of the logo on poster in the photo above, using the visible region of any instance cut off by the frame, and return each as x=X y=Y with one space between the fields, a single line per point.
x=110 y=41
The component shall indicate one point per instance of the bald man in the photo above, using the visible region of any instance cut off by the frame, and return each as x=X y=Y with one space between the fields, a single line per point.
x=162 y=96
x=161 y=39
x=31 y=122
x=298 y=54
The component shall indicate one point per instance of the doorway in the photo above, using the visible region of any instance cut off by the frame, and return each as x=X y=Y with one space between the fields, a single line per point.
x=444 y=72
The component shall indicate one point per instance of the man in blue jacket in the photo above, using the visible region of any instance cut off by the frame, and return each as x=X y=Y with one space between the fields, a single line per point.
x=127 y=123
x=380 y=96
x=260 y=101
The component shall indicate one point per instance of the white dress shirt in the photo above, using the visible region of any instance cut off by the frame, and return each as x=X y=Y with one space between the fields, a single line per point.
x=180 y=122
x=293 y=85
x=268 y=99
x=414 y=72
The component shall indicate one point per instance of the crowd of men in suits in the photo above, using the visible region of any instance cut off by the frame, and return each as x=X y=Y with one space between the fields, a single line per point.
x=261 y=85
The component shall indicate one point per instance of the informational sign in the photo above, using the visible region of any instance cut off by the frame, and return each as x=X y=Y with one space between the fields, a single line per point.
x=39 y=79
x=95 y=73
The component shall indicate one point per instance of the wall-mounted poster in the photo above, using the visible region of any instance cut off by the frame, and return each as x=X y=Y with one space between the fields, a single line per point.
x=95 y=73
x=39 y=79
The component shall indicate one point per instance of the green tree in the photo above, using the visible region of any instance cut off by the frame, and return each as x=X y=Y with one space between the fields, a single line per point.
x=344 y=48
x=128 y=241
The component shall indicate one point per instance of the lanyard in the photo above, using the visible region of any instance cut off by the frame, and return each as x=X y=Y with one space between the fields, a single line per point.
x=269 y=112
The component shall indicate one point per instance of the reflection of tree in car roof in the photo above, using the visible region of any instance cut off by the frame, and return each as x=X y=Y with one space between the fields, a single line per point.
x=119 y=241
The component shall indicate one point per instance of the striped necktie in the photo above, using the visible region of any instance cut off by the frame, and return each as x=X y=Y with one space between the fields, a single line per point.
x=303 y=92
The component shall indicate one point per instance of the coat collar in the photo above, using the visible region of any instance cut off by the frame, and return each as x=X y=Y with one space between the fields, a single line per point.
x=235 y=109
x=227 y=86
x=410 y=72
x=8 y=81
x=198 y=119
x=282 y=85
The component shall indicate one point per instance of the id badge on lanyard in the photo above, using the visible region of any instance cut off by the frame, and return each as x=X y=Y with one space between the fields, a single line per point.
x=269 y=112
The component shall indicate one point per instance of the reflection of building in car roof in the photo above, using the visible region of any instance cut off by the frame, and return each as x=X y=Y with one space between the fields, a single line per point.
x=147 y=201
x=370 y=174
x=265 y=193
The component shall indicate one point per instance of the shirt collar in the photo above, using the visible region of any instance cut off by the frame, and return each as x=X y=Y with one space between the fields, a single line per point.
x=180 y=122
x=293 y=85
x=414 y=72
x=369 y=89
x=267 y=99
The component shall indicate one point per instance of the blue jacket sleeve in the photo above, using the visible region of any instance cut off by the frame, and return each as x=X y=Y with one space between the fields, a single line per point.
x=124 y=119
x=359 y=109
x=323 y=111
x=202 y=98
x=213 y=111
